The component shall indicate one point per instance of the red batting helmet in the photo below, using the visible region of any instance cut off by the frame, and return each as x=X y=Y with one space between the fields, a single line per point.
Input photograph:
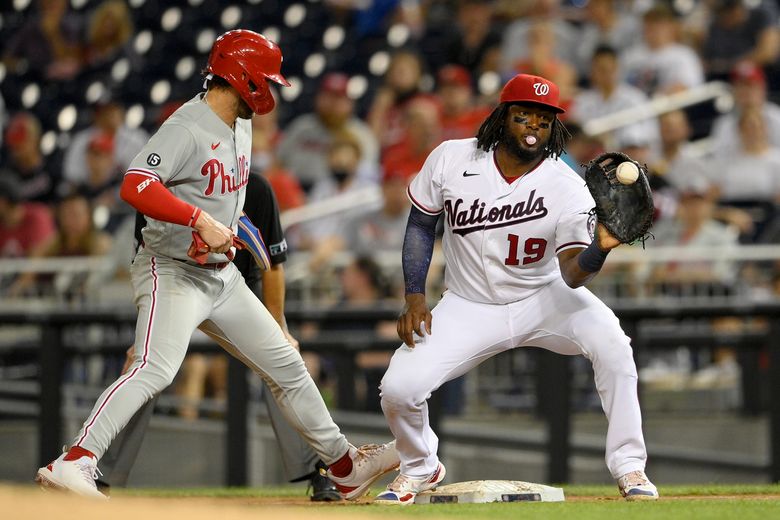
x=525 y=88
x=246 y=59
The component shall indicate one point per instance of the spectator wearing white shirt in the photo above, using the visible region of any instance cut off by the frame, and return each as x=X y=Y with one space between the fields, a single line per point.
x=660 y=64
x=677 y=159
x=607 y=95
x=304 y=145
x=605 y=24
x=328 y=234
x=515 y=46
x=109 y=117
x=750 y=93
x=750 y=178
x=752 y=172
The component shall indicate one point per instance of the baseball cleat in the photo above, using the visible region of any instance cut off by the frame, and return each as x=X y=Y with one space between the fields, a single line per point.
x=77 y=476
x=369 y=462
x=403 y=489
x=636 y=486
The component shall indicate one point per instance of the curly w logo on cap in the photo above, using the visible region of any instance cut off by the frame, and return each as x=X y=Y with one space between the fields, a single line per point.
x=527 y=88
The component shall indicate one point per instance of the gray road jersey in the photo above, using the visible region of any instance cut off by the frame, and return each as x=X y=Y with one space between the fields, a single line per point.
x=201 y=161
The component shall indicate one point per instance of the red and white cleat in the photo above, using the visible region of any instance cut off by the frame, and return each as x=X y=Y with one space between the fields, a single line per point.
x=77 y=476
x=403 y=489
x=369 y=462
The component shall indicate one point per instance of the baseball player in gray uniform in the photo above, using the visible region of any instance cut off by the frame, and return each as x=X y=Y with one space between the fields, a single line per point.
x=519 y=244
x=189 y=181
x=299 y=460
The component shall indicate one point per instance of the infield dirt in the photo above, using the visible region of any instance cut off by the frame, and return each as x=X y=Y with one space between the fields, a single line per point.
x=29 y=502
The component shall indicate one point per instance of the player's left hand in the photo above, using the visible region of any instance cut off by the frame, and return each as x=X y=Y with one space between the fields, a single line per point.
x=129 y=358
x=416 y=318
x=607 y=242
x=293 y=342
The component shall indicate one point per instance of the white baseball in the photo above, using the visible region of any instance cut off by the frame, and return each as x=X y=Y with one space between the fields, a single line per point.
x=627 y=172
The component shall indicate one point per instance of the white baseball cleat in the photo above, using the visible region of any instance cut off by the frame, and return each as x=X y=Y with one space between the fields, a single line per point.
x=369 y=462
x=77 y=476
x=403 y=489
x=636 y=486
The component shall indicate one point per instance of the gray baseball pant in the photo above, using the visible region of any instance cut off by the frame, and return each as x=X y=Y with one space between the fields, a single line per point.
x=173 y=298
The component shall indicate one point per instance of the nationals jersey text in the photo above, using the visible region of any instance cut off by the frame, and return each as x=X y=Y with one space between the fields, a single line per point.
x=501 y=238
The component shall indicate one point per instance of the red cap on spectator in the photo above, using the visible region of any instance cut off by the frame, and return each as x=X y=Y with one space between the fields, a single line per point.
x=103 y=143
x=748 y=72
x=454 y=75
x=335 y=83
x=525 y=88
x=18 y=130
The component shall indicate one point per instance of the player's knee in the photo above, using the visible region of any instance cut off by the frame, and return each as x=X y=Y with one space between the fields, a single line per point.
x=615 y=354
x=397 y=392
x=157 y=376
x=289 y=372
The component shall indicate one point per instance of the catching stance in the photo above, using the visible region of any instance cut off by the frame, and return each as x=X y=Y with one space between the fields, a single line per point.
x=192 y=175
x=520 y=241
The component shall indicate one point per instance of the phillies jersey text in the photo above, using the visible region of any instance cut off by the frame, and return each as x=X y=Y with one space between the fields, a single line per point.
x=501 y=238
x=202 y=161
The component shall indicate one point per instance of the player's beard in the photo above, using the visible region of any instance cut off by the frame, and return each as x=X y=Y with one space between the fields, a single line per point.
x=527 y=155
x=244 y=112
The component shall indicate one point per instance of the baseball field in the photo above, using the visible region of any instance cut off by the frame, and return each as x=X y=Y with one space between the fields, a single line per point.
x=287 y=503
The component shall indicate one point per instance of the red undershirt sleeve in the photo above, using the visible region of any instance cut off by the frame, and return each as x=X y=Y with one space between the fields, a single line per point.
x=150 y=197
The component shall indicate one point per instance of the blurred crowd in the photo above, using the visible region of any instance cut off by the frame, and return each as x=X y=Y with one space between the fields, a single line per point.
x=395 y=79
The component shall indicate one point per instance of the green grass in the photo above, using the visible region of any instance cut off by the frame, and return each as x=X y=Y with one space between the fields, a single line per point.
x=746 y=507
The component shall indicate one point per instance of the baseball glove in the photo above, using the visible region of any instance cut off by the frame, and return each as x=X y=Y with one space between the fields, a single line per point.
x=626 y=210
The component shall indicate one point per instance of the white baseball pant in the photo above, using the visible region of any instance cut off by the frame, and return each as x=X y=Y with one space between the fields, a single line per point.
x=465 y=333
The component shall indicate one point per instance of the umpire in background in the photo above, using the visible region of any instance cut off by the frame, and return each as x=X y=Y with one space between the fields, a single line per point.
x=300 y=461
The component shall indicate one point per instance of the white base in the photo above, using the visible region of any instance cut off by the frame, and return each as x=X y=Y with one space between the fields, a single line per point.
x=483 y=491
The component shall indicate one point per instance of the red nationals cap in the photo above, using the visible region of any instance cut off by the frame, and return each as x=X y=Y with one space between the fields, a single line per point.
x=525 y=88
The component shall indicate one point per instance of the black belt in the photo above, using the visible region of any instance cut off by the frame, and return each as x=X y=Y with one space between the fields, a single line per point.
x=211 y=265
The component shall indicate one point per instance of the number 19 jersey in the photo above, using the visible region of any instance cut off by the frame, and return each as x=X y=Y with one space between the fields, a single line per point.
x=502 y=235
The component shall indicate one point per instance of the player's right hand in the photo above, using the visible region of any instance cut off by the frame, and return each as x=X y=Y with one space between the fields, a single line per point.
x=415 y=314
x=217 y=236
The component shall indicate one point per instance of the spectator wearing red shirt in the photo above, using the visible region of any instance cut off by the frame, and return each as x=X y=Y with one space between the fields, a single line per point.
x=460 y=118
x=23 y=225
x=422 y=129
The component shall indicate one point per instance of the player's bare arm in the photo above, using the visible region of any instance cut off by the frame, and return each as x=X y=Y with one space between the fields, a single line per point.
x=217 y=236
x=577 y=270
x=416 y=258
x=273 y=298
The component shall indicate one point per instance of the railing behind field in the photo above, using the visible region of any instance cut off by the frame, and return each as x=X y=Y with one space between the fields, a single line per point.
x=553 y=375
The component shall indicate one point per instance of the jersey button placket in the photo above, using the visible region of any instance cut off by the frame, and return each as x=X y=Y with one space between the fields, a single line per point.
x=489 y=263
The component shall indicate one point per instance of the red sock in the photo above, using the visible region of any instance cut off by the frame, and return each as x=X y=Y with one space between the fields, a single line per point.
x=342 y=467
x=76 y=452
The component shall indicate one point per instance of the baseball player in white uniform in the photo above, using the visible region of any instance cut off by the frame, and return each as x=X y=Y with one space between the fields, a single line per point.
x=520 y=241
x=189 y=181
